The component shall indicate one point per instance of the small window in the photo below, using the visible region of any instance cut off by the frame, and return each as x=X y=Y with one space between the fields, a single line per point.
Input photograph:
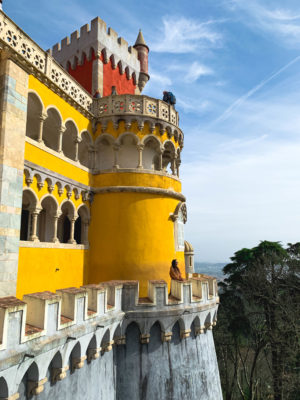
x=180 y=231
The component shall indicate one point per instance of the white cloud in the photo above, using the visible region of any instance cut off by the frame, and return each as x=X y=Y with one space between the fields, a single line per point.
x=242 y=178
x=184 y=35
x=281 y=22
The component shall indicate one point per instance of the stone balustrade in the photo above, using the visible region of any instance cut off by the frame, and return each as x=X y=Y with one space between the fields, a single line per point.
x=137 y=107
x=41 y=63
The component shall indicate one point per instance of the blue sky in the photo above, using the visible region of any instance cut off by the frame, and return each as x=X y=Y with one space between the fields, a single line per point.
x=234 y=67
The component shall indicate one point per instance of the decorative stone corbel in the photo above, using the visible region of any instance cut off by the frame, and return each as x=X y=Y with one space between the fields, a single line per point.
x=166 y=336
x=78 y=363
x=34 y=388
x=209 y=326
x=60 y=192
x=50 y=188
x=93 y=354
x=108 y=346
x=120 y=340
x=145 y=338
x=199 y=330
x=12 y=397
x=40 y=185
x=184 y=334
x=29 y=181
x=58 y=374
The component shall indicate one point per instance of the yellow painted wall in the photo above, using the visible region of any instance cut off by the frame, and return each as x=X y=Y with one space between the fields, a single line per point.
x=50 y=161
x=49 y=98
x=136 y=179
x=132 y=237
x=38 y=269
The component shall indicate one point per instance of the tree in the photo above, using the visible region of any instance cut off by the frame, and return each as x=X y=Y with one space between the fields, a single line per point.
x=259 y=328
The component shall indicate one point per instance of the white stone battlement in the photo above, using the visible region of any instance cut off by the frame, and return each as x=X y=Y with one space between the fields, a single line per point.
x=101 y=40
x=46 y=313
x=48 y=336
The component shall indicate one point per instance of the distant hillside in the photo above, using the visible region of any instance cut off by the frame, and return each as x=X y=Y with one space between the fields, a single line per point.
x=214 y=269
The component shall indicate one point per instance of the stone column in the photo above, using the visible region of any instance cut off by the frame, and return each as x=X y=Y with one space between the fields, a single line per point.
x=61 y=130
x=140 y=148
x=55 y=221
x=92 y=157
x=42 y=119
x=178 y=163
x=85 y=239
x=13 y=110
x=33 y=236
x=116 y=150
x=173 y=164
x=77 y=141
x=97 y=77
x=160 y=154
x=72 y=230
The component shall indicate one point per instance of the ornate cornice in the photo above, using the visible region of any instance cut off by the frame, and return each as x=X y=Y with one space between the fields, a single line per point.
x=26 y=53
x=140 y=189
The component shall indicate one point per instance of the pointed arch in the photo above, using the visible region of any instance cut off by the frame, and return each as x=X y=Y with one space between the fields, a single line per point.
x=3 y=388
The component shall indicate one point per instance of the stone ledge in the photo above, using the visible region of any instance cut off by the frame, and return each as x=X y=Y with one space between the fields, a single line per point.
x=48 y=245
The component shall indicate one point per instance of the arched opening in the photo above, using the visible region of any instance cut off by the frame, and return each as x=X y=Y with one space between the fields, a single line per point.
x=55 y=372
x=3 y=388
x=46 y=219
x=155 y=337
x=83 y=149
x=29 y=204
x=51 y=129
x=32 y=374
x=176 y=334
x=92 y=352
x=168 y=158
x=105 y=154
x=128 y=153
x=81 y=225
x=75 y=358
x=151 y=154
x=68 y=140
x=64 y=222
x=34 y=115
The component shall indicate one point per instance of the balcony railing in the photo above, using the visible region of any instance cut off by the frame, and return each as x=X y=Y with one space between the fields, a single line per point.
x=135 y=105
x=13 y=37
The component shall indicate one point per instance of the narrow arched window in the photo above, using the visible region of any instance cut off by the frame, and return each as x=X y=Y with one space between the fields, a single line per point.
x=29 y=204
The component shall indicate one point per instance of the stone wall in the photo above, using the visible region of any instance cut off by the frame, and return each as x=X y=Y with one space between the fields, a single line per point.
x=104 y=342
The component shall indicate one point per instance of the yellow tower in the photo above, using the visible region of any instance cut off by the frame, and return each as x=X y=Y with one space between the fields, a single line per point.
x=138 y=210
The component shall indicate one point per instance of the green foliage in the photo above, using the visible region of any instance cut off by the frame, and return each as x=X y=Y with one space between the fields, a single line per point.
x=257 y=337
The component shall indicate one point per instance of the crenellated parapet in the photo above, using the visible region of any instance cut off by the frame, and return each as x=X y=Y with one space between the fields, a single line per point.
x=82 y=324
x=102 y=41
x=45 y=314
x=48 y=336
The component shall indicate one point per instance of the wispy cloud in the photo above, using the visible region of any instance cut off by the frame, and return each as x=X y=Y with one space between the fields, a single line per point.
x=282 y=22
x=251 y=92
x=191 y=72
x=185 y=35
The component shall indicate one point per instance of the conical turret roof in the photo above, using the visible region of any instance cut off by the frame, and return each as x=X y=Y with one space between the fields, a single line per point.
x=140 y=41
